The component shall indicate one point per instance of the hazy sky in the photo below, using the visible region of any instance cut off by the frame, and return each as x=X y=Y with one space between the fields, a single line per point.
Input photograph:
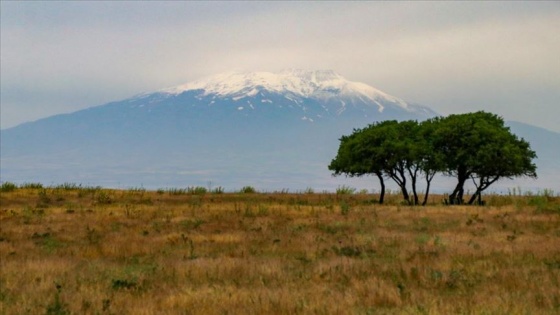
x=454 y=57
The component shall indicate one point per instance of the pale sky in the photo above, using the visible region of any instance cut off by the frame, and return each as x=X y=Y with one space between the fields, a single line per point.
x=502 y=57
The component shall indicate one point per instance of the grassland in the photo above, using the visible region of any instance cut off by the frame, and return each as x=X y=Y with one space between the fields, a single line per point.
x=74 y=250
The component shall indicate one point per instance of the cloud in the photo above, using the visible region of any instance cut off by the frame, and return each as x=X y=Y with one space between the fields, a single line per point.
x=65 y=56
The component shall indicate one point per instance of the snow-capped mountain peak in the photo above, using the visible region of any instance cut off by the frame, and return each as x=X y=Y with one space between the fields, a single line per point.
x=318 y=84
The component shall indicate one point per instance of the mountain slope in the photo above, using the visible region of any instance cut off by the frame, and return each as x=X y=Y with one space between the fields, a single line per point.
x=243 y=101
x=270 y=130
x=546 y=144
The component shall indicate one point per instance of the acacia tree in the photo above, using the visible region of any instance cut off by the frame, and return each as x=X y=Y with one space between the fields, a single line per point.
x=474 y=146
x=503 y=156
x=394 y=150
x=430 y=160
x=458 y=138
x=414 y=152
x=390 y=148
x=360 y=154
x=479 y=145
x=382 y=149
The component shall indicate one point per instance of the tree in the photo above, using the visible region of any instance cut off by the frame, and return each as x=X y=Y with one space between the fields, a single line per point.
x=430 y=160
x=388 y=148
x=398 y=150
x=479 y=145
x=503 y=156
x=361 y=154
x=475 y=146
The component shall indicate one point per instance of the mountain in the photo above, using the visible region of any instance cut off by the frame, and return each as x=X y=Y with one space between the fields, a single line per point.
x=269 y=130
x=546 y=144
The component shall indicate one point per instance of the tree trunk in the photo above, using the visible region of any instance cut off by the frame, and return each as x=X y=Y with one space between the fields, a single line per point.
x=460 y=200
x=382 y=183
x=483 y=184
x=456 y=198
x=428 y=183
x=413 y=176
x=426 y=194
x=406 y=196
x=474 y=197
x=479 y=188
x=416 y=199
x=453 y=195
x=400 y=178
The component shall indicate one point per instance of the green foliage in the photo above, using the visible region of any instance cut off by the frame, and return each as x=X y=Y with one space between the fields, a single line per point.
x=344 y=208
x=543 y=203
x=397 y=150
x=68 y=186
x=192 y=224
x=218 y=190
x=347 y=251
x=309 y=191
x=480 y=147
x=103 y=198
x=119 y=284
x=31 y=186
x=93 y=236
x=248 y=190
x=46 y=241
x=57 y=306
x=363 y=152
x=193 y=190
x=44 y=198
x=198 y=190
x=8 y=187
x=345 y=190
x=177 y=191
x=475 y=146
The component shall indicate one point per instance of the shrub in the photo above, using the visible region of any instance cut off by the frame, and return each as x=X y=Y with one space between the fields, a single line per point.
x=57 y=306
x=177 y=191
x=543 y=204
x=8 y=186
x=248 y=190
x=118 y=284
x=198 y=190
x=103 y=198
x=347 y=251
x=31 y=186
x=345 y=190
x=44 y=199
x=192 y=224
x=344 y=208
x=309 y=191
x=68 y=186
x=218 y=190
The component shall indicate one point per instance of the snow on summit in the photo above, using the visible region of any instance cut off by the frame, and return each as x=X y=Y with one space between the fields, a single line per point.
x=320 y=84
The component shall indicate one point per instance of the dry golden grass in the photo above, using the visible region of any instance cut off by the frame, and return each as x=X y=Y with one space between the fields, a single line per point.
x=92 y=251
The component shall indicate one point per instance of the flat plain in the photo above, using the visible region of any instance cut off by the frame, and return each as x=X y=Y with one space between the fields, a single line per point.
x=80 y=250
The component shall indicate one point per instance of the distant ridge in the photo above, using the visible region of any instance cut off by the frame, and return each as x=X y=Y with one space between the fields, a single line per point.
x=269 y=130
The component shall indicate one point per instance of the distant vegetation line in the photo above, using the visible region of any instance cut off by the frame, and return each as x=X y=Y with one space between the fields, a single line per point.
x=391 y=196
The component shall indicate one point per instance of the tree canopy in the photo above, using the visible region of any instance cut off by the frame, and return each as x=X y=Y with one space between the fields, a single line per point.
x=476 y=146
x=362 y=153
